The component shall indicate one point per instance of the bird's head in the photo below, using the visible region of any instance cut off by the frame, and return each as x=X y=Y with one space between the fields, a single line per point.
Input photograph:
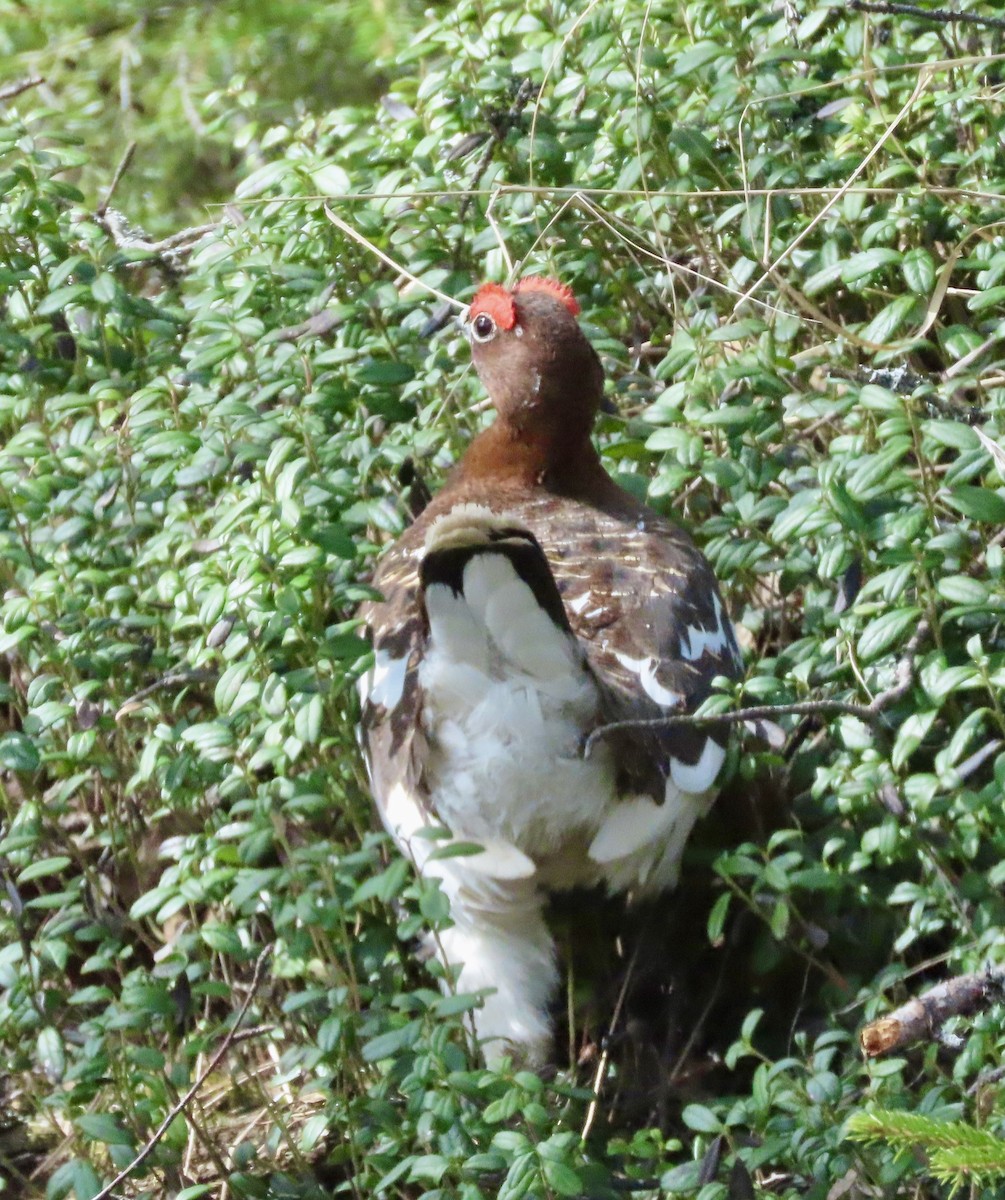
x=532 y=356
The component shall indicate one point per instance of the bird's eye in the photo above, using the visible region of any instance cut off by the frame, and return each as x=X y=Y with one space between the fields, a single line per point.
x=483 y=328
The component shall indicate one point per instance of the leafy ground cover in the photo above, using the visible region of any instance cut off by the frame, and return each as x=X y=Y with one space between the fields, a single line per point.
x=786 y=232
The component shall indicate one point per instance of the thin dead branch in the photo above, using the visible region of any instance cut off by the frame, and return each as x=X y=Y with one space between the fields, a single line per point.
x=923 y=1016
x=356 y=236
x=120 y=170
x=19 y=86
x=169 y=250
x=319 y=325
x=605 y=1053
x=968 y=360
x=943 y=15
x=871 y=713
x=170 y=680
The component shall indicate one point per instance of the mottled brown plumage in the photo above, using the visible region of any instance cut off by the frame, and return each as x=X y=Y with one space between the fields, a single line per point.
x=639 y=598
x=632 y=581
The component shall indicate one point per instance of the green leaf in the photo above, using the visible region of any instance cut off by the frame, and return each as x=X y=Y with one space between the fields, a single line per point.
x=505 y=1107
x=428 y=1168
x=694 y=144
x=335 y=539
x=874 y=473
x=18 y=753
x=951 y=433
x=683 y=1179
x=561 y=1178
x=77 y=1174
x=387 y=1045
x=962 y=589
x=58 y=300
x=919 y=271
x=222 y=938
x=980 y=504
x=884 y=631
x=701 y=1119
x=385 y=886
x=400 y=1169
x=330 y=179
x=779 y=920
x=717 y=919
x=943 y=682
x=346 y=646
x=889 y=320
x=103 y=289
x=51 y=1053
x=45 y=866
x=385 y=373
x=455 y=849
x=151 y=901
x=523 y=1175
x=910 y=735
x=104 y=1127
x=992 y=298
x=699 y=55
x=15 y=637
x=307 y=722
x=866 y=263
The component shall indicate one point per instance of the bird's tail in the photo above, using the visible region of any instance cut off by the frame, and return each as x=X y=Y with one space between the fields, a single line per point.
x=491 y=599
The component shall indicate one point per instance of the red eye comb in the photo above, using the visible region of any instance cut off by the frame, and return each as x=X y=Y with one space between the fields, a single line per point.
x=538 y=283
x=493 y=299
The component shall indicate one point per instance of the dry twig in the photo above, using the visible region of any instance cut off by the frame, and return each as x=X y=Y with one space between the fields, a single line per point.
x=870 y=713
x=605 y=1053
x=19 y=86
x=500 y=124
x=923 y=1016
x=169 y=250
x=171 y=679
x=943 y=15
x=120 y=170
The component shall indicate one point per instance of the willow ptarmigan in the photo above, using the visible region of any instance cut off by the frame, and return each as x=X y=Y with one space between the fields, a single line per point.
x=531 y=602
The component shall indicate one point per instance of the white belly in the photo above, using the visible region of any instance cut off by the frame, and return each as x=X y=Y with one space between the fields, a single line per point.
x=505 y=755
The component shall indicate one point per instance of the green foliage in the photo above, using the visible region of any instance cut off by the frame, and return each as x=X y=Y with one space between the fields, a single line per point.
x=957 y=1153
x=204 y=90
x=788 y=243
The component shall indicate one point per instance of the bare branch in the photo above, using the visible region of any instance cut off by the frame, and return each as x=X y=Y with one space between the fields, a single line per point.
x=128 y=237
x=736 y=716
x=601 y=1072
x=944 y=15
x=501 y=124
x=182 y=240
x=171 y=679
x=923 y=1016
x=19 y=86
x=968 y=359
x=871 y=714
x=319 y=325
x=120 y=170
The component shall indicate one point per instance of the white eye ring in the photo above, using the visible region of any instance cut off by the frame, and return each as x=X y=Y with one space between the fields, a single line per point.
x=483 y=328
